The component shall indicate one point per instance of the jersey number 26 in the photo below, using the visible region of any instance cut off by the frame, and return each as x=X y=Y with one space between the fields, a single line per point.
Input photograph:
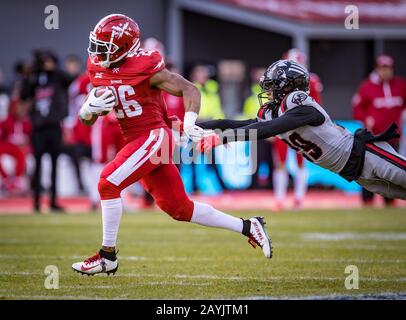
x=131 y=107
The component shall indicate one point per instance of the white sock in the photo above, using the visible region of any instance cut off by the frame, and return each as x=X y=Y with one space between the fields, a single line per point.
x=111 y=214
x=300 y=183
x=96 y=169
x=280 y=183
x=206 y=215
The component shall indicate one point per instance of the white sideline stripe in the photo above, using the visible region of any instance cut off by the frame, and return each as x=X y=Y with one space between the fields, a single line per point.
x=176 y=259
x=163 y=283
x=90 y=287
x=268 y=279
x=61 y=297
x=231 y=278
x=366 y=296
x=136 y=160
x=340 y=236
x=342 y=246
x=19 y=273
x=180 y=276
x=149 y=283
x=214 y=277
x=391 y=295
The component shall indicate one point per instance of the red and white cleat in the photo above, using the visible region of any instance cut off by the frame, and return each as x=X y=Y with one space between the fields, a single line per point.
x=259 y=236
x=102 y=262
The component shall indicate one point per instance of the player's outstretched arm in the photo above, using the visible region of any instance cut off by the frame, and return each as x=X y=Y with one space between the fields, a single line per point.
x=224 y=124
x=292 y=119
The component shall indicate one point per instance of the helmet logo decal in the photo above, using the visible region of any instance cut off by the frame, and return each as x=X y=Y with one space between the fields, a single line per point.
x=119 y=30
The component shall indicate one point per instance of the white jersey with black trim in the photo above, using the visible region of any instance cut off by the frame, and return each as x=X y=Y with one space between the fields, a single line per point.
x=327 y=145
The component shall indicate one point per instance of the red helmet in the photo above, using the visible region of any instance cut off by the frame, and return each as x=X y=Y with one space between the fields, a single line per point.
x=297 y=56
x=112 y=39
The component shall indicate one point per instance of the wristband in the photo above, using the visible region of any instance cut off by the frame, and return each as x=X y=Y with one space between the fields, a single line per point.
x=190 y=119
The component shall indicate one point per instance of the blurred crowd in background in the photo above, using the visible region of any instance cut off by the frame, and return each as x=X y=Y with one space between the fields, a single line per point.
x=38 y=116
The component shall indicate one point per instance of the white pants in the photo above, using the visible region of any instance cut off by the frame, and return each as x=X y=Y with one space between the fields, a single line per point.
x=384 y=171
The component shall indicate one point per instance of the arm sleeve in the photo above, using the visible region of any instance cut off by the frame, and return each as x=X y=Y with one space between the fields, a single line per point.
x=225 y=124
x=292 y=119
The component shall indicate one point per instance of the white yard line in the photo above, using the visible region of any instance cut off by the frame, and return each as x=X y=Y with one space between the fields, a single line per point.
x=366 y=296
x=62 y=297
x=176 y=258
x=342 y=236
x=215 y=277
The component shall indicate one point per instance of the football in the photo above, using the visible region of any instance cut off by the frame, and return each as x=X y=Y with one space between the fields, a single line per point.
x=102 y=89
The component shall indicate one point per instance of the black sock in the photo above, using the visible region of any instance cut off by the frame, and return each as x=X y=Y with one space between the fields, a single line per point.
x=108 y=255
x=246 y=227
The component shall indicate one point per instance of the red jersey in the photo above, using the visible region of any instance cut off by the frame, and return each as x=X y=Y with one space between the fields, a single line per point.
x=140 y=107
x=174 y=105
x=315 y=87
x=107 y=139
x=78 y=91
x=16 y=130
x=383 y=101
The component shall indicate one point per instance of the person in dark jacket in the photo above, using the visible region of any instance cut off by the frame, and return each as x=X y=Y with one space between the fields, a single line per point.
x=47 y=92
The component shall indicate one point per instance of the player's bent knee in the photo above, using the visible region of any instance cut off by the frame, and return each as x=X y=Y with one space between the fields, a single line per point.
x=179 y=211
x=107 y=190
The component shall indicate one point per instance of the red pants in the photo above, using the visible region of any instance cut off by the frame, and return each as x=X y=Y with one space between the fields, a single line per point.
x=15 y=152
x=148 y=159
x=282 y=151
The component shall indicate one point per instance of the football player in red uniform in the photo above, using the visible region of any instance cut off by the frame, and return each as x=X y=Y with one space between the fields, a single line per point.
x=136 y=79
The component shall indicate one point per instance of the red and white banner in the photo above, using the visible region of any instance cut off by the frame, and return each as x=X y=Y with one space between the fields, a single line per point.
x=328 y=11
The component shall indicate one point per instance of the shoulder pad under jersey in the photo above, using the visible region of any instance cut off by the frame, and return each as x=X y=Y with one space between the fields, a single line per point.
x=295 y=99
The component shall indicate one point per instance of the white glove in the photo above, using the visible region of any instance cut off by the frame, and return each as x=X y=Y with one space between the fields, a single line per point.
x=192 y=131
x=196 y=133
x=97 y=105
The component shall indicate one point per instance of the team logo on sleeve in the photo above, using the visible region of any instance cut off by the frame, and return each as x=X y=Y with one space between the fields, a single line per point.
x=299 y=98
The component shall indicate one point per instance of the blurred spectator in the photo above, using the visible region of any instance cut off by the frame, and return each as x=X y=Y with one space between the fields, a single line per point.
x=14 y=141
x=402 y=143
x=22 y=71
x=15 y=131
x=73 y=65
x=4 y=98
x=4 y=110
x=379 y=101
x=210 y=104
x=264 y=147
x=46 y=91
x=152 y=43
x=76 y=135
x=210 y=108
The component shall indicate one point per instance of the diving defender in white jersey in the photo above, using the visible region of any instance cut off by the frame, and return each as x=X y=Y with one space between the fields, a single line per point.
x=287 y=111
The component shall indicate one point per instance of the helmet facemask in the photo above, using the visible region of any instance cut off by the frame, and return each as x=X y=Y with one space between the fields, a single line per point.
x=101 y=52
x=271 y=94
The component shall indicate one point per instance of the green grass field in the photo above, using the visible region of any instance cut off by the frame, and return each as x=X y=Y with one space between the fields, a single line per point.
x=164 y=259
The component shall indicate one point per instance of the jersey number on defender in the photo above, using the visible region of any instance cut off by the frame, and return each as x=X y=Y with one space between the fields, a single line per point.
x=311 y=150
x=131 y=108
